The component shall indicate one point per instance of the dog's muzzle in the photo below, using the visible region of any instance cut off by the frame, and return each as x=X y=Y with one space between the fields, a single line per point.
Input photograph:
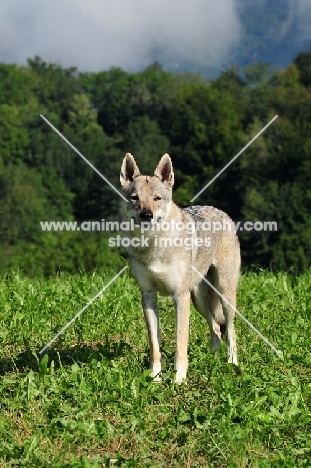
x=146 y=215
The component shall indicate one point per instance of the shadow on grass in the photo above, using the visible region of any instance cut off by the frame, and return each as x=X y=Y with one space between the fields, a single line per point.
x=79 y=353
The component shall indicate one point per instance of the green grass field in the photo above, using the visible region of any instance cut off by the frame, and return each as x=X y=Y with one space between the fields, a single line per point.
x=90 y=401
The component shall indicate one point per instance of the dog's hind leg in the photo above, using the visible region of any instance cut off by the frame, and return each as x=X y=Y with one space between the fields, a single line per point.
x=150 y=307
x=229 y=313
x=207 y=303
x=227 y=288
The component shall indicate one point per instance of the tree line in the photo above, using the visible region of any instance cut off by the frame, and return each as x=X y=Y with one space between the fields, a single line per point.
x=201 y=124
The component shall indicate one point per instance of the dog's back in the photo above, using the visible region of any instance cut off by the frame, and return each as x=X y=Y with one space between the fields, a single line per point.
x=224 y=247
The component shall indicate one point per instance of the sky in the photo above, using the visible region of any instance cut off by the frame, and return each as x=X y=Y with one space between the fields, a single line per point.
x=97 y=34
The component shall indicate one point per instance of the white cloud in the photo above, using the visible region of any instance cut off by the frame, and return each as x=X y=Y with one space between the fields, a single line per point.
x=97 y=34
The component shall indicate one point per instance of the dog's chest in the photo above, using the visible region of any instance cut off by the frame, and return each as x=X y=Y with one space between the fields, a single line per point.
x=167 y=276
x=164 y=276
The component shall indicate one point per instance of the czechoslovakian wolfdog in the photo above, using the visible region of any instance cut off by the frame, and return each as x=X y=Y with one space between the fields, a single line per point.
x=164 y=244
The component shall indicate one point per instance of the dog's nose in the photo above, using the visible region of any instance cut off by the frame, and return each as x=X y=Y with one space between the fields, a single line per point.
x=146 y=215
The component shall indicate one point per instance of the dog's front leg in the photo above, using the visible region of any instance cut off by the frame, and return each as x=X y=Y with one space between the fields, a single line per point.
x=151 y=311
x=182 y=312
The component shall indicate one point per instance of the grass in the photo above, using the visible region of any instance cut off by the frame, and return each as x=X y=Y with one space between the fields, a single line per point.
x=90 y=402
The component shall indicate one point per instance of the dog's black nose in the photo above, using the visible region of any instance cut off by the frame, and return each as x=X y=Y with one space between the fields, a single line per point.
x=146 y=215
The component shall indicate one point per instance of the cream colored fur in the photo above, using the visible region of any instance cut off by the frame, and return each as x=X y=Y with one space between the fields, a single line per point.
x=161 y=267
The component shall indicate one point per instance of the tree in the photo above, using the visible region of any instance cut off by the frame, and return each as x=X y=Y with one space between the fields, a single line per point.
x=303 y=63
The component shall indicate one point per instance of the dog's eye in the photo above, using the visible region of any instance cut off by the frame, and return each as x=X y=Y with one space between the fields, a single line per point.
x=157 y=198
x=134 y=198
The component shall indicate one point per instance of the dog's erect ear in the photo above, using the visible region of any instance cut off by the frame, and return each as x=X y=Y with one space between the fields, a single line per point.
x=129 y=170
x=164 y=171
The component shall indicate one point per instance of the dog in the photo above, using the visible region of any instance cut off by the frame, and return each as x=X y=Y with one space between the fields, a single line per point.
x=169 y=253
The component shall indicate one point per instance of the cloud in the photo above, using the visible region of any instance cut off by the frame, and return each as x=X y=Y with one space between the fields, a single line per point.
x=98 y=34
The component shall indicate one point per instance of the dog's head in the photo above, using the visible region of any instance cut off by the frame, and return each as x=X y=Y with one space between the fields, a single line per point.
x=149 y=196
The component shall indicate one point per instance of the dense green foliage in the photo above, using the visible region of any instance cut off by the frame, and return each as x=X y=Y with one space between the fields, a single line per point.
x=89 y=401
x=201 y=124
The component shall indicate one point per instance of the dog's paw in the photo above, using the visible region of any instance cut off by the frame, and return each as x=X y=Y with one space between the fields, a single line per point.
x=232 y=359
x=180 y=378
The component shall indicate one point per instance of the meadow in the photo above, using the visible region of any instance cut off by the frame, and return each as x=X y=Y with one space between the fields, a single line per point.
x=90 y=402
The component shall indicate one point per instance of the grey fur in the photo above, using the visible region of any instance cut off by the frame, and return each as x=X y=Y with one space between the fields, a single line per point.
x=167 y=269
